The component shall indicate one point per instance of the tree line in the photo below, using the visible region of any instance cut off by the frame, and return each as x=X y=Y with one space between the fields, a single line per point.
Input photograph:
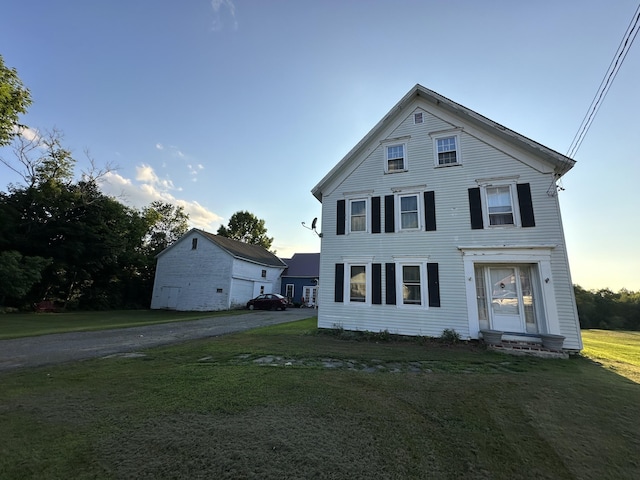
x=608 y=310
x=62 y=239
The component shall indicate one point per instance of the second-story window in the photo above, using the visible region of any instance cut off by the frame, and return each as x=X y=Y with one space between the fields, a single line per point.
x=409 y=216
x=358 y=215
x=500 y=205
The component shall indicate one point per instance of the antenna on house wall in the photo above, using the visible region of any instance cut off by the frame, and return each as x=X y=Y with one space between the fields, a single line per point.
x=313 y=227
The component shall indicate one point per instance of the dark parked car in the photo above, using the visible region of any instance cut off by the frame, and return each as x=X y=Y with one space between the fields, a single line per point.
x=268 y=301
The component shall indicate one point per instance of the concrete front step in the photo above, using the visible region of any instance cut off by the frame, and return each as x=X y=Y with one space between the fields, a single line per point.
x=532 y=349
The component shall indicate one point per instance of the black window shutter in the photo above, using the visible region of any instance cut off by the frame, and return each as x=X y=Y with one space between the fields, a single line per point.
x=526 y=205
x=429 y=211
x=434 y=284
x=375 y=215
x=475 y=208
x=340 y=215
x=390 y=287
x=338 y=295
x=389 y=221
x=376 y=283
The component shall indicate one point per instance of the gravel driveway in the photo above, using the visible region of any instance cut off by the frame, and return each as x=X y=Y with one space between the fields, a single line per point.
x=66 y=347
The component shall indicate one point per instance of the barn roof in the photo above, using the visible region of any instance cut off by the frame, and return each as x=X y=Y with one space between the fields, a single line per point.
x=244 y=251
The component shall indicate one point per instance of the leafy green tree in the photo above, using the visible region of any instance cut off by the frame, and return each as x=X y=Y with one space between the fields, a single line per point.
x=41 y=158
x=247 y=228
x=18 y=273
x=14 y=100
x=606 y=309
x=166 y=224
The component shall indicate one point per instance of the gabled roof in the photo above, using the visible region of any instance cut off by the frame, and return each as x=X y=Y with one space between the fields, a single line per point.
x=245 y=251
x=561 y=163
x=302 y=265
x=240 y=250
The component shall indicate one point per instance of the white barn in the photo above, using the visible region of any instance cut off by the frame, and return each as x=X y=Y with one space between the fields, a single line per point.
x=440 y=218
x=205 y=272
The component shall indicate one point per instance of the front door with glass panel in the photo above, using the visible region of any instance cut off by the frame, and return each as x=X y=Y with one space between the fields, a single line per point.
x=505 y=298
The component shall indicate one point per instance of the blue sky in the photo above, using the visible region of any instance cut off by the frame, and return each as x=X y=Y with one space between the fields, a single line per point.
x=231 y=105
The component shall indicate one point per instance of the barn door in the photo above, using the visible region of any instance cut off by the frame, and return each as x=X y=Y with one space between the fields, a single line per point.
x=169 y=297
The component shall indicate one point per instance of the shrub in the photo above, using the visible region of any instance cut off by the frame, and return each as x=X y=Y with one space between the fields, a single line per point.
x=449 y=336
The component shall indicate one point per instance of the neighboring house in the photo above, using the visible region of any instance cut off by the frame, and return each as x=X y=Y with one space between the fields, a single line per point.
x=204 y=272
x=440 y=218
x=300 y=279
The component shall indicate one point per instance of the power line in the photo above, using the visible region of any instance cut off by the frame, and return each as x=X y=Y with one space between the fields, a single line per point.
x=607 y=81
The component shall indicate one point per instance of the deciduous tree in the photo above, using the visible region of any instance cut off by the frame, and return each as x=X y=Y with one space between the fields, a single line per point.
x=14 y=100
x=247 y=228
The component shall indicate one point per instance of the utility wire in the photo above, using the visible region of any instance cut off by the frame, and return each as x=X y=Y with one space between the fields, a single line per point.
x=607 y=81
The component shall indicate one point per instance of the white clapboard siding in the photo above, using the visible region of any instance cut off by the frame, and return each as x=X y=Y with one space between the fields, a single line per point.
x=208 y=277
x=362 y=175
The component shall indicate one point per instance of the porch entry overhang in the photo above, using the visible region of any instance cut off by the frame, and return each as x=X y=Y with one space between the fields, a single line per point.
x=510 y=288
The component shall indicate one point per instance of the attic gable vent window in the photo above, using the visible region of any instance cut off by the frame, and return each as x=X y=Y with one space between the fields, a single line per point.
x=417 y=118
x=264 y=274
x=395 y=156
x=194 y=243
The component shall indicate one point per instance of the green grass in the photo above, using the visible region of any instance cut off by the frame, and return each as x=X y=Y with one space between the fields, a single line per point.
x=617 y=350
x=14 y=325
x=207 y=409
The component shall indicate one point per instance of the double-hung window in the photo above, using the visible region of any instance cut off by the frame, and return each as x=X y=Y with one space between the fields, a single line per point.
x=500 y=205
x=409 y=212
x=446 y=148
x=411 y=285
x=358 y=215
x=358 y=283
x=395 y=157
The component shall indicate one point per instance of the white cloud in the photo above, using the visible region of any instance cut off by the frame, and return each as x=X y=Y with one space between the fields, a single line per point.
x=146 y=174
x=148 y=188
x=28 y=133
x=224 y=13
x=159 y=146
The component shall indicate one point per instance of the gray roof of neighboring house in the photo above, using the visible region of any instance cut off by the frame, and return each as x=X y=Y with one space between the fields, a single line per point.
x=244 y=251
x=302 y=265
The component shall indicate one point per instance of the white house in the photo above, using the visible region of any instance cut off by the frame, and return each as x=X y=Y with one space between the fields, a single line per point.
x=205 y=272
x=440 y=218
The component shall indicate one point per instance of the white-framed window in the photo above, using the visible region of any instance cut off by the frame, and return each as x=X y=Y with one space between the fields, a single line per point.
x=357 y=283
x=499 y=205
x=411 y=282
x=446 y=148
x=290 y=290
x=411 y=285
x=358 y=215
x=357 y=280
x=395 y=157
x=418 y=118
x=409 y=211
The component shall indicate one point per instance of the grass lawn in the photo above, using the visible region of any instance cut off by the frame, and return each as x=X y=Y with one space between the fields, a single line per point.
x=14 y=325
x=281 y=403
